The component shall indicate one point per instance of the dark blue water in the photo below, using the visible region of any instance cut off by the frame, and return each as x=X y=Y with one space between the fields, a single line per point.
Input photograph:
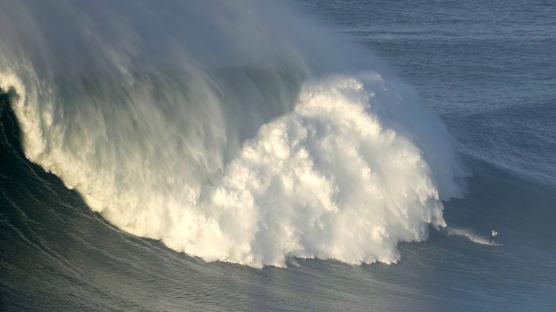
x=488 y=68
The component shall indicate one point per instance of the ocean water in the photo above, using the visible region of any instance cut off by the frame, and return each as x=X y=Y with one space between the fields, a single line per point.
x=277 y=156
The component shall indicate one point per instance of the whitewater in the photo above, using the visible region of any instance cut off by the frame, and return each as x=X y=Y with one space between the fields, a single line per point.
x=259 y=137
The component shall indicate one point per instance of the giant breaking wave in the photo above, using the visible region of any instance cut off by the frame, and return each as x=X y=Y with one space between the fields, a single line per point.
x=233 y=131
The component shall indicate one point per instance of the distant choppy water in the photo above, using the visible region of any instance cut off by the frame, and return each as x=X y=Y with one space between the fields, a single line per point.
x=486 y=67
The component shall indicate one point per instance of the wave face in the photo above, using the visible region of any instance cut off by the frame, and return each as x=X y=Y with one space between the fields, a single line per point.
x=232 y=131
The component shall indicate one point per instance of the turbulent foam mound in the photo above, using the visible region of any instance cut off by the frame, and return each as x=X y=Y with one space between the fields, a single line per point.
x=290 y=146
x=326 y=180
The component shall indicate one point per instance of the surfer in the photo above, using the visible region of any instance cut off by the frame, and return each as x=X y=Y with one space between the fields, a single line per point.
x=493 y=234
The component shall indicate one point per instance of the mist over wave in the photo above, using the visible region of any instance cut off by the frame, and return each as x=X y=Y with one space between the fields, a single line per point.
x=235 y=131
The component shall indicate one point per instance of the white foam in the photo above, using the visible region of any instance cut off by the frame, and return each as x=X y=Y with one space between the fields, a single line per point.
x=327 y=181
